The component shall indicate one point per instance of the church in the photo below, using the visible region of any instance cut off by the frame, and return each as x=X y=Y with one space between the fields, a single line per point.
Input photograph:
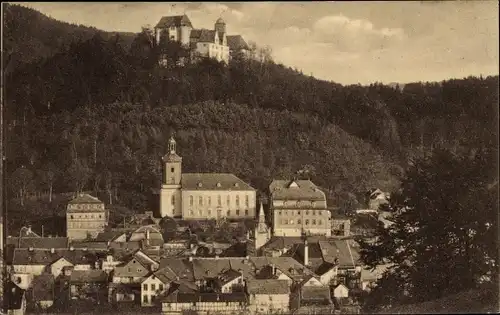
x=203 y=196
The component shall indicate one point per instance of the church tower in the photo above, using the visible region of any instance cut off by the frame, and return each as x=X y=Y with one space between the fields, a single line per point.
x=262 y=232
x=170 y=195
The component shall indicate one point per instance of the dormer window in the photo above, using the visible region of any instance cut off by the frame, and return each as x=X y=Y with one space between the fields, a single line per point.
x=236 y=185
x=200 y=184
x=218 y=185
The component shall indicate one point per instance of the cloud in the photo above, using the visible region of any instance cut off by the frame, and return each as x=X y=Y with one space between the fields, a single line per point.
x=335 y=24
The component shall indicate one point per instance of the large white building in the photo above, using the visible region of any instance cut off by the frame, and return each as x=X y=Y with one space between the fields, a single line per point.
x=299 y=207
x=203 y=195
x=214 y=43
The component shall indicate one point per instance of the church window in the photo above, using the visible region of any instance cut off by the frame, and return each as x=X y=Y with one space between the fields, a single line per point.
x=237 y=201
x=173 y=200
x=172 y=169
x=200 y=201
x=246 y=212
x=307 y=222
x=190 y=200
x=246 y=201
x=209 y=200
x=219 y=200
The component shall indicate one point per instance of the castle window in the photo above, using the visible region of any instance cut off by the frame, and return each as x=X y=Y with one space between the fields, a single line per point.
x=237 y=212
x=299 y=212
x=201 y=213
x=279 y=213
x=200 y=201
x=228 y=212
x=209 y=200
x=190 y=200
x=307 y=222
x=246 y=212
x=71 y=216
x=298 y=221
x=246 y=201
x=191 y=212
x=209 y=212
x=173 y=200
x=314 y=222
x=228 y=200
x=319 y=222
x=307 y=212
x=219 y=200
x=172 y=169
x=237 y=201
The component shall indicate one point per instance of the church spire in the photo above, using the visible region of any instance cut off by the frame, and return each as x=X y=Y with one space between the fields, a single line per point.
x=262 y=215
x=171 y=145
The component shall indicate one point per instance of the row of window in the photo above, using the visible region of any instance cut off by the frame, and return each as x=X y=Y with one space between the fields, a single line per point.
x=86 y=225
x=219 y=200
x=86 y=216
x=145 y=287
x=228 y=212
x=86 y=206
x=306 y=212
x=299 y=221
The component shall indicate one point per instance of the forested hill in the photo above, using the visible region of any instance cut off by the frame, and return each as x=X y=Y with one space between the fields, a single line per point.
x=30 y=35
x=102 y=112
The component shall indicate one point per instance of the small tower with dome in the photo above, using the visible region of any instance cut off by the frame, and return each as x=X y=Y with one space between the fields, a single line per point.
x=220 y=26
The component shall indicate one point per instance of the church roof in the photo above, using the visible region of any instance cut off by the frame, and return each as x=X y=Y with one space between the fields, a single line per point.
x=85 y=198
x=176 y=20
x=295 y=190
x=203 y=35
x=236 y=42
x=213 y=181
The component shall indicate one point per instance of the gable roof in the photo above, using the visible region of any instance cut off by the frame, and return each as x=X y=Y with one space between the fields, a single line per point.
x=281 y=190
x=38 y=242
x=203 y=35
x=42 y=287
x=236 y=42
x=108 y=236
x=268 y=286
x=133 y=268
x=213 y=181
x=46 y=257
x=347 y=255
x=85 y=198
x=93 y=275
x=175 y=20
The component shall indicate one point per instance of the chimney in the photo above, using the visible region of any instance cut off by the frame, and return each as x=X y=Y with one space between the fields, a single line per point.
x=306 y=253
x=71 y=248
x=52 y=250
x=190 y=258
x=273 y=268
x=29 y=228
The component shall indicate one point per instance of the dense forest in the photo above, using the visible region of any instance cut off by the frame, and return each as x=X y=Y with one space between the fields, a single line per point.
x=94 y=110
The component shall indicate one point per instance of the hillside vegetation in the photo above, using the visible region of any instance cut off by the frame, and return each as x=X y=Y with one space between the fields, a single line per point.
x=96 y=114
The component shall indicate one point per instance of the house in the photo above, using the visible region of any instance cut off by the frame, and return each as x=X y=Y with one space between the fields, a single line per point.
x=86 y=217
x=41 y=292
x=268 y=296
x=151 y=234
x=229 y=281
x=298 y=207
x=134 y=271
x=203 y=196
x=14 y=299
x=177 y=302
x=155 y=285
x=89 y=285
x=341 y=291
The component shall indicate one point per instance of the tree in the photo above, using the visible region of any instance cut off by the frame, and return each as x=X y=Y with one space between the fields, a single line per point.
x=79 y=174
x=440 y=242
x=22 y=180
x=47 y=176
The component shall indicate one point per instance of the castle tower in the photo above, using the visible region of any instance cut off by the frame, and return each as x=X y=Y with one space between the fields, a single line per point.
x=170 y=195
x=262 y=233
x=220 y=26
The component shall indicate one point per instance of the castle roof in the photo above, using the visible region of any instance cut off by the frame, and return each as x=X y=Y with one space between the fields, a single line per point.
x=236 y=42
x=176 y=20
x=213 y=181
x=220 y=21
x=203 y=35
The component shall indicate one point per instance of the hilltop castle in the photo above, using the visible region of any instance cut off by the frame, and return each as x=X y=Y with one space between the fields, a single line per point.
x=206 y=43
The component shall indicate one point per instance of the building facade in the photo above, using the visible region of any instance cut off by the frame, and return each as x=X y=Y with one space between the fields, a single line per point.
x=86 y=217
x=214 y=43
x=298 y=207
x=203 y=196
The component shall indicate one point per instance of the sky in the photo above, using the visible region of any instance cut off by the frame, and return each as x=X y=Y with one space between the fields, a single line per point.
x=345 y=42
